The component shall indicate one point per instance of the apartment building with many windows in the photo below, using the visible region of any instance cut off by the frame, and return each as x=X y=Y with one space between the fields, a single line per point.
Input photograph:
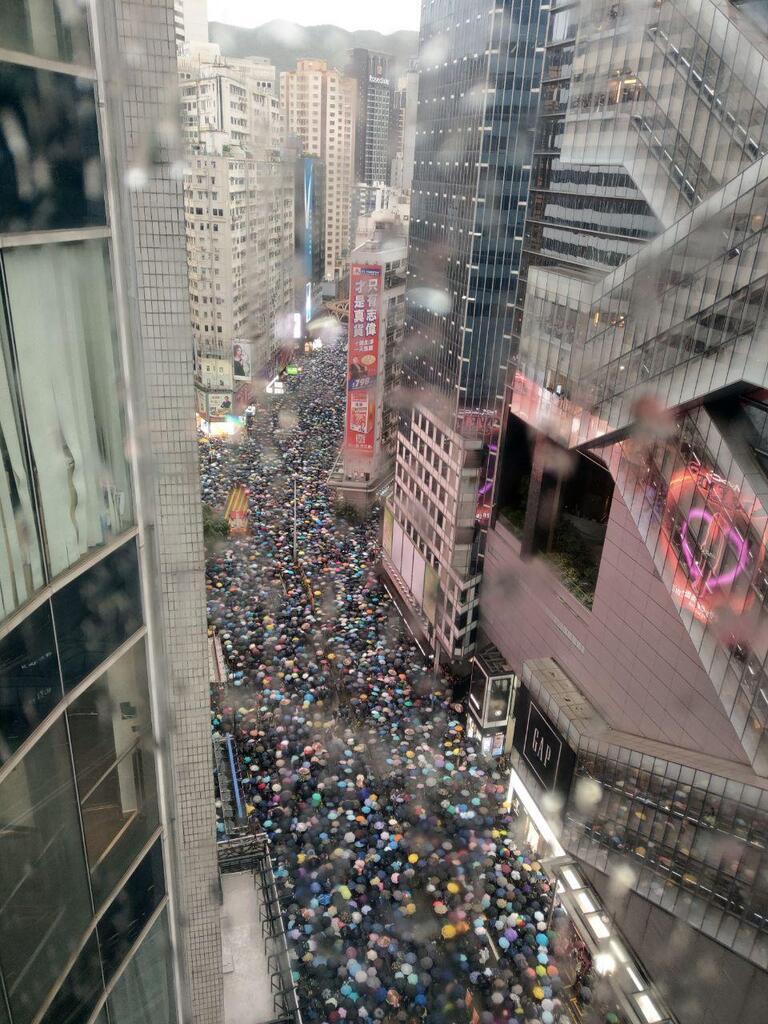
x=239 y=208
x=319 y=106
x=108 y=880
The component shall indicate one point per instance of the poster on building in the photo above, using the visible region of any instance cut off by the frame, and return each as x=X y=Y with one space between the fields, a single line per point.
x=387 y=531
x=242 y=398
x=236 y=510
x=362 y=358
x=431 y=588
x=213 y=404
x=241 y=360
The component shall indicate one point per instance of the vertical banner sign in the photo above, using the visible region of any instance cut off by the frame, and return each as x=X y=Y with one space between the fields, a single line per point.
x=236 y=510
x=362 y=358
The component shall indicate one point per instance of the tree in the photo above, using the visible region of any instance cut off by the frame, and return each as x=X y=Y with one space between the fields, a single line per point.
x=215 y=525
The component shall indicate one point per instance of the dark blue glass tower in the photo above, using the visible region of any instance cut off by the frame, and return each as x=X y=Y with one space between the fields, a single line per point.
x=480 y=71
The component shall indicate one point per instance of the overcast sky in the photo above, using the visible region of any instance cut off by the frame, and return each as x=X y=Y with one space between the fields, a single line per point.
x=381 y=15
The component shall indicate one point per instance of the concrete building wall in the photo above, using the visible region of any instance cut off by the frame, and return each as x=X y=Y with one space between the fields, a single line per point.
x=630 y=655
x=239 y=207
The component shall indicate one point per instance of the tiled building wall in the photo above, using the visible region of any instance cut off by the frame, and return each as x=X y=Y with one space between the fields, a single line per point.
x=630 y=655
x=142 y=89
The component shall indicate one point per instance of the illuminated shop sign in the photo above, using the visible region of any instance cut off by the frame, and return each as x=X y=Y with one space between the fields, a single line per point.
x=713 y=543
x=541 y=746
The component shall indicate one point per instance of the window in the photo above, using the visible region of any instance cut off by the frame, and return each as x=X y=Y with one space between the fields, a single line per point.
x=43 y=880
x=498 y=702
x=130 y=910
x=110 y=729
x=144 y=991
x=81 y=989
x=97 y=612
x=30 y=684
x=69 y=375
x=48 y=122
x=21 y=561
x=46 y=28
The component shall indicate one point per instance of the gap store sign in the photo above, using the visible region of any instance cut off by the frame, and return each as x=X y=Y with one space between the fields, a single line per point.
x=541 y=746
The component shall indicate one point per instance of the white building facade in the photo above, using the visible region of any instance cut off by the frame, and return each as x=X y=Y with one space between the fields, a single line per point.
x=190 y=19
x=239 y=211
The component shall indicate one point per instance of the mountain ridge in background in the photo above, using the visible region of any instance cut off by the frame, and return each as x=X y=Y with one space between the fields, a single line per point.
x=284 y=42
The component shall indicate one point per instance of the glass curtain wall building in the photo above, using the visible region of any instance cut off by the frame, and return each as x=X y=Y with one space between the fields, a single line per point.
x=96 y=560
x=375 y=93
x=628 y=544
x=479 y=81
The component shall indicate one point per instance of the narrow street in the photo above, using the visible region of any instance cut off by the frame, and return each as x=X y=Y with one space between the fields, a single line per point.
x=401 y=880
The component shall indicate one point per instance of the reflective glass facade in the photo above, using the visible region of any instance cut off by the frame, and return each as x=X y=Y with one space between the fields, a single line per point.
x=375 y=91
x=478 y=97
x=83 y=894
x=46 y=28
x=642 y=344
x=698 y=842
x=66 y=489
x=50 y=167
x=479 y=84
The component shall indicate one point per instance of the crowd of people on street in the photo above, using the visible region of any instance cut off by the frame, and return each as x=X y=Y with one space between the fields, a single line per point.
x=407 y=894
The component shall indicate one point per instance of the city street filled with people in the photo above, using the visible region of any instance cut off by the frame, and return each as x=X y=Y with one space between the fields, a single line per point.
x=406 y=892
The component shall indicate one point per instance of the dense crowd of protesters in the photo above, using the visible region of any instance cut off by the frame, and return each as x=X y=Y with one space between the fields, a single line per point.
x=407 y=895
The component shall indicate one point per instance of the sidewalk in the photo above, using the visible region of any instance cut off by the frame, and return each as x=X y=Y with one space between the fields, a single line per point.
x=247 y=995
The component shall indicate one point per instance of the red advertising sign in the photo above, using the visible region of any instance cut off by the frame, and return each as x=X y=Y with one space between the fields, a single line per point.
x=362 y=358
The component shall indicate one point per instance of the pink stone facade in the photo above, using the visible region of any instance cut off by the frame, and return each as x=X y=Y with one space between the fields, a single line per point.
x=630 y=654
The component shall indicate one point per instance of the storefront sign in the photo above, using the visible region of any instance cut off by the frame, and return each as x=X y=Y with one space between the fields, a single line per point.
x=541 y=746
x=362 y=358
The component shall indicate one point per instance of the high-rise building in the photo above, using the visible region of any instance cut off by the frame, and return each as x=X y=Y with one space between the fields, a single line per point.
x=234 y=97
x=629 y=548
x=373 y=130
x=381 y=199
x=238 y=188
x=319 y=107
x=190 y=19
x=404 y=113
x=108 y=886
x=376 y=319
x=479 y=76
x=309 y=226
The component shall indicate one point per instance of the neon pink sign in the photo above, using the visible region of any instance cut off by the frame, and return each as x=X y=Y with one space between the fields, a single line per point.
x=732 y=536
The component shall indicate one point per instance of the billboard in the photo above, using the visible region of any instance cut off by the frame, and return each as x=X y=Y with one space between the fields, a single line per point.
x=387 y=531
x=214 y=403
x=362 y=358
x=241 y=360
x=236 y=511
